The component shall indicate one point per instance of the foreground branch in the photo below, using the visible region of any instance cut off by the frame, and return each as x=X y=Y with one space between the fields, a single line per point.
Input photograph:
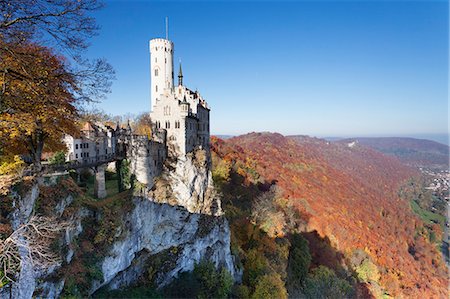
x=31 y=240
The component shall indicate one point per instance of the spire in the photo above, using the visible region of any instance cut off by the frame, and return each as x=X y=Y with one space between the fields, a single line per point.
x=180 y=76
x=129 y=126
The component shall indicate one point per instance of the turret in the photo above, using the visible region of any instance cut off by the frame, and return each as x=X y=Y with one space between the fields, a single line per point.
x=184 y=107
x=161 y=67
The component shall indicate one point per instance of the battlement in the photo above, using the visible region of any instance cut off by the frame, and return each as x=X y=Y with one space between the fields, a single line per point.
x=158 y=42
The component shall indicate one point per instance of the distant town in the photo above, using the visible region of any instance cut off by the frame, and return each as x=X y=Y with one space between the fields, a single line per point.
x=439 y=182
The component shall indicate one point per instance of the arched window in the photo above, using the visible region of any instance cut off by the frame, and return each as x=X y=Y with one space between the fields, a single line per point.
x=156 y=72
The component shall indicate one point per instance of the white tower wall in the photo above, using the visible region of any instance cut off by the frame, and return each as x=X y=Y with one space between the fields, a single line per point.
x=161 y=68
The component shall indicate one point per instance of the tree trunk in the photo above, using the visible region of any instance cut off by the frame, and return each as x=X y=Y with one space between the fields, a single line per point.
x=38 y=155
x=36 y=142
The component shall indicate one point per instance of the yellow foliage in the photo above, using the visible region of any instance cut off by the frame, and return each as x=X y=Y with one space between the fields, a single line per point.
x=11 y=165
x=368 y=271
x=222 y=170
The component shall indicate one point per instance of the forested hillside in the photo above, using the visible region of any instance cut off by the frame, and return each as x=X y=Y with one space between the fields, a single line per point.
x=413 y=152
x=362 y=237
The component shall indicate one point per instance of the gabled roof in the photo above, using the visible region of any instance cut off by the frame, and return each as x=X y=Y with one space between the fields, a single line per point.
x=87 y=127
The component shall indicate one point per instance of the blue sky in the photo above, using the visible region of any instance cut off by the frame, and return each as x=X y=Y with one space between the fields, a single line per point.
x=321 y=68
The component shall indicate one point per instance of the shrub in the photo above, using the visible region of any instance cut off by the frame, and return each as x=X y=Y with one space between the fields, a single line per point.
x=241 y=291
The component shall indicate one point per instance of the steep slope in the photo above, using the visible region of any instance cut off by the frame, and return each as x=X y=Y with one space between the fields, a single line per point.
x=136 y=237
x=348 y=194
x=413 y=152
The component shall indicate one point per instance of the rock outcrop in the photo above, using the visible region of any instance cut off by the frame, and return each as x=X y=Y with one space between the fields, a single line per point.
x=153 y=228
x=179 y=221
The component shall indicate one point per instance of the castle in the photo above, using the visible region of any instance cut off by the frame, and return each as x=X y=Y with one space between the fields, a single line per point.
x=183 y=113
x=180 y=124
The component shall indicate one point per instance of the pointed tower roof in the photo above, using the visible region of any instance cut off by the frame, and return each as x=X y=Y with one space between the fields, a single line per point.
x=180 y=76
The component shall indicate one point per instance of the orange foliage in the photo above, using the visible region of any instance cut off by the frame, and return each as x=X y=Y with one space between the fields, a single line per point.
x=37 y=102
x=349 y=195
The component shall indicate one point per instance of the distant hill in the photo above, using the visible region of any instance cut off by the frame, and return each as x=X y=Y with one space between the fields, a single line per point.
x=411 y=151
x=348 y=195
x=224 y=136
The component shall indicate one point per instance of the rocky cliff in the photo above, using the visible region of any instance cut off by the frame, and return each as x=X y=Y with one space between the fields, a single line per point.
x=112 y=243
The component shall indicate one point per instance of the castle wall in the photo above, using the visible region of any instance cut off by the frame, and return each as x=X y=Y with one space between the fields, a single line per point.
x=146 y=158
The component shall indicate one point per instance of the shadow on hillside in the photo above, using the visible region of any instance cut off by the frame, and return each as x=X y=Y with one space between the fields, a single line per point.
x=238 y=193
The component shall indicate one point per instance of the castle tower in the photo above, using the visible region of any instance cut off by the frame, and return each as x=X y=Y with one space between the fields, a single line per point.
x=161 y=68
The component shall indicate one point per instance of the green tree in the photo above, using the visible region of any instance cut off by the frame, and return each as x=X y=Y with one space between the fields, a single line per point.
x=255 y=265
x=270 y=286
x=123 y=175
x=58 y=158
x=204 y=282
x=322 y=282
x=299 y=260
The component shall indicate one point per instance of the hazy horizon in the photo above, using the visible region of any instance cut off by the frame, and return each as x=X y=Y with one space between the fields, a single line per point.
x=440 y=138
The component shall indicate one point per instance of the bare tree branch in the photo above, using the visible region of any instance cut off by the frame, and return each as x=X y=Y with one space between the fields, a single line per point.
x=33 y=239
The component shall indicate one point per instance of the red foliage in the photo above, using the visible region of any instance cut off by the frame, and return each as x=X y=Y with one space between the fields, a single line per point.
x=350 y=195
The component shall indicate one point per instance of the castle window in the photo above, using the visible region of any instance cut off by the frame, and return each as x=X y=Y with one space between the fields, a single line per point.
x=156 y=72
x=76 y=146
x=165 y=60
x=156 y=88
x=76 y=156
x=156 y=59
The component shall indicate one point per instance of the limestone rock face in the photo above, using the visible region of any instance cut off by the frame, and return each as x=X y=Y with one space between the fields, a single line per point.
x=155 y=227
x=23 y=205
x=179 y=220
x=189 y=184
